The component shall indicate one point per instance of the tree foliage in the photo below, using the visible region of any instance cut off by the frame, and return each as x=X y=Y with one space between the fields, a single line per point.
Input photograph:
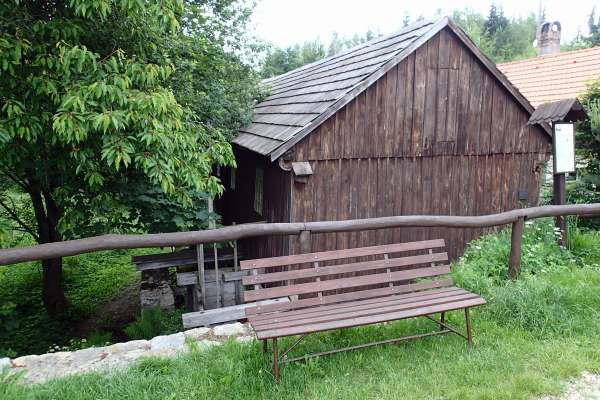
x=593 y=39
x=587 y=187
x=501 y=38
x=581 y=41
x=111 y=107
x=281 y=60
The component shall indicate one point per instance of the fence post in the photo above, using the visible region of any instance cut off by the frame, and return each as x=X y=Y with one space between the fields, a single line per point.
x=305 y=244
x=516 y=236
x=201 y=277
x=305 y=247
x=560 y=197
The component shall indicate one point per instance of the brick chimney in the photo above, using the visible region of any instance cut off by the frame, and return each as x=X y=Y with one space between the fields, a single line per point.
x=548 y=38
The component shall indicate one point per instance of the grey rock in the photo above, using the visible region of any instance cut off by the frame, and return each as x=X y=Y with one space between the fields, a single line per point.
x=197 y=333
x=234 y=329
x=155 y=290
x=128 y=346
x=26 y=361
x=168 y=342
x=244 y=339
x=85 y=356
x=119 y=360
x=5 y=363
x=41 y=368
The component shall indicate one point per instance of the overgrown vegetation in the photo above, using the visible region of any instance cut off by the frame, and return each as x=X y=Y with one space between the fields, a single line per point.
x=115 y=114
x=556 y=293
x=532 y=334
x=586 y=189
x=90 y=281
x=501 y=38
x=154 y=322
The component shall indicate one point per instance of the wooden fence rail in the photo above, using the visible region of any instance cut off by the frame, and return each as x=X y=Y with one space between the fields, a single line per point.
x=236 y=232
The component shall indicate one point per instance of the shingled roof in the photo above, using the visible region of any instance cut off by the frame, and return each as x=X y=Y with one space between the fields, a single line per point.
x=563 y=110
x=302 y=99
x=554 y=76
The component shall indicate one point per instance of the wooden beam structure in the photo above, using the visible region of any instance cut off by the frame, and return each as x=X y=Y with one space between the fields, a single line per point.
x=516 y=237
x=113 y=242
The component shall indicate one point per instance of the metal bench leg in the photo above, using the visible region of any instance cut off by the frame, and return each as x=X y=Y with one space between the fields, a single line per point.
x=275 y=361
x=442 y=320
x=468 y=323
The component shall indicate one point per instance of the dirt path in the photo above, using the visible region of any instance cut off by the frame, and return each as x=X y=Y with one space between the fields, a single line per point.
x=586 y=387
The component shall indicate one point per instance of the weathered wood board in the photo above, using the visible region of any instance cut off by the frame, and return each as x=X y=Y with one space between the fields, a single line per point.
x=224 y=314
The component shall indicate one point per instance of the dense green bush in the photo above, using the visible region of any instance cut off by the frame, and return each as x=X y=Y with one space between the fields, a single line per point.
x=90 y=281
x=585 y=244
x=154 y=322
x=565 y=302
x=556 y=292
x=485 y=263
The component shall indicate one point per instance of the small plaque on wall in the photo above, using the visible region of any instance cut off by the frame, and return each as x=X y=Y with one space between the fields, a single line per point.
x=564 y=147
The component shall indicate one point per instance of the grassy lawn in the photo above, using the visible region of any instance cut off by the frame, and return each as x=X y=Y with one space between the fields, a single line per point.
x=533 y=334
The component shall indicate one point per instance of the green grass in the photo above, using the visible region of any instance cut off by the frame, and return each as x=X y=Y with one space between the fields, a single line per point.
x=506 y=363
x=154 y=322
x=89 y=280
x=533 y=334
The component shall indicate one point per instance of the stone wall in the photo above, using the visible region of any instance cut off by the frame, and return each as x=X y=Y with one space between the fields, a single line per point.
x=41 y=368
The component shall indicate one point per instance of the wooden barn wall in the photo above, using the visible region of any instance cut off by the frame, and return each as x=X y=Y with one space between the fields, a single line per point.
x=238 y=205
x=444 y=185
x=437 y=134
x=276 y=195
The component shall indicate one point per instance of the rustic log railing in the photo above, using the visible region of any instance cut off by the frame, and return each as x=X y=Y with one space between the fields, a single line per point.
x=236 y=232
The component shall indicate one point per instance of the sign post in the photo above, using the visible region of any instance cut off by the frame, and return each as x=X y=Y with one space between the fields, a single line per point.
x=563 y=155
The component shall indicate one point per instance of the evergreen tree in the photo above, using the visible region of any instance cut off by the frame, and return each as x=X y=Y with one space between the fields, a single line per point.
x=491 y=23
x=502 y=39
x=594 y=26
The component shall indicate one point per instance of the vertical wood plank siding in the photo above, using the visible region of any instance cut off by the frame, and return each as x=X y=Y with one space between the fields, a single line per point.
x=238 y=205
x=435 y=135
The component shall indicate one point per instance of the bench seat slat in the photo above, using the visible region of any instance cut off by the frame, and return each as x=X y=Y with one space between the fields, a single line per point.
x=344 y=283
x=260 y=320
x=368 y=319
x=365 y=310
x=339 y=254
x=344 y=268
x=345 y=297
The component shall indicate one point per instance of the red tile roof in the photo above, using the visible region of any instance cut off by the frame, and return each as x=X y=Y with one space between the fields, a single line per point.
x=555 y=76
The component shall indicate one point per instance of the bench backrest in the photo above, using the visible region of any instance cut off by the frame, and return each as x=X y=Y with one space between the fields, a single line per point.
x=356 y=273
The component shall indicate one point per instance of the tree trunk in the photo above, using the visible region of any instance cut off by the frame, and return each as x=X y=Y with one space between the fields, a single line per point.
x=47 y=219
x=53 y=295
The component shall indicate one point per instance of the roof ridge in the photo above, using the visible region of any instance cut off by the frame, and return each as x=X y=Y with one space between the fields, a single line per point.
x=378 y=39
x=549 y=56
x=326 y=96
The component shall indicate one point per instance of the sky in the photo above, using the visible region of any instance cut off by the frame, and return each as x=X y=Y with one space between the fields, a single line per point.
x=287 y=22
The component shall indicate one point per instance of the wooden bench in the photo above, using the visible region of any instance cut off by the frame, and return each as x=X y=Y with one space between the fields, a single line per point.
x=347 y=288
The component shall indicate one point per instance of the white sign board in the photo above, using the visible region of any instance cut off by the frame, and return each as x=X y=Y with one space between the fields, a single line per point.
x=564 y=148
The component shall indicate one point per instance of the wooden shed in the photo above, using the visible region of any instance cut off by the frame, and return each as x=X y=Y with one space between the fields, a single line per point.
x=417 y=122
